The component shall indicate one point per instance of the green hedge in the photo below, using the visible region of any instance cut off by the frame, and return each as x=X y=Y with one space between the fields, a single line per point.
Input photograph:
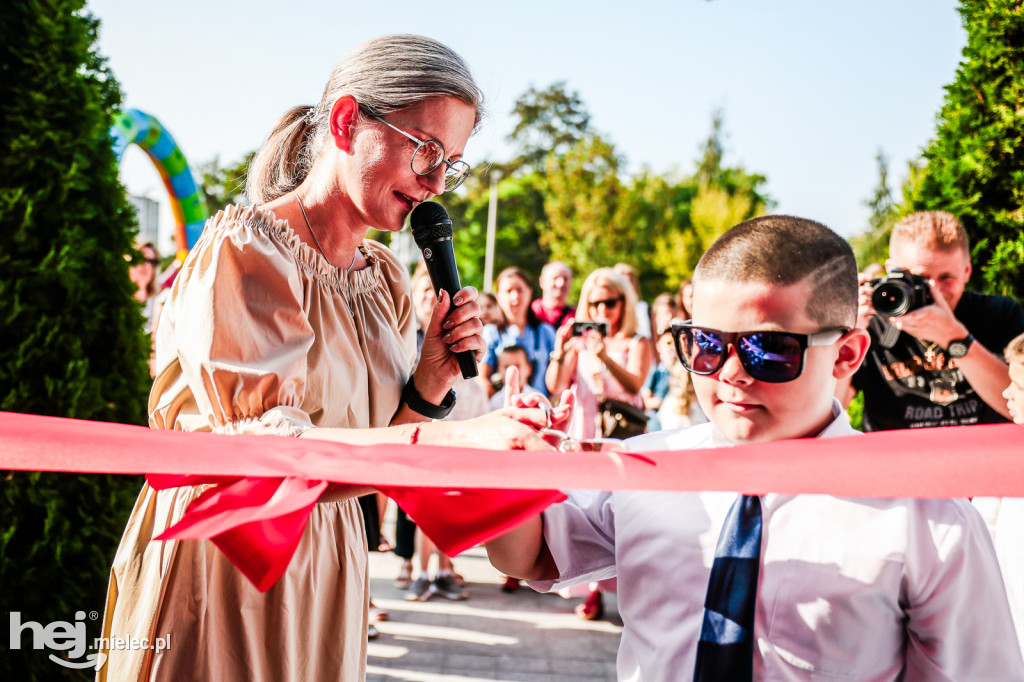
x=71 y=343
x=975 y=164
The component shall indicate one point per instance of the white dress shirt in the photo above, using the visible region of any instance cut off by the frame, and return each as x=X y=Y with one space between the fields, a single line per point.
x=1004 y=517
x=853 y=589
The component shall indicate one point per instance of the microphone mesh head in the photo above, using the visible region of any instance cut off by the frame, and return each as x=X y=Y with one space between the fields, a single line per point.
x=429 y=222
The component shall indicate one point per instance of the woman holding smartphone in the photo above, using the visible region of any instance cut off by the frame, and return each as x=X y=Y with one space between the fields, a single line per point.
x=595 y=365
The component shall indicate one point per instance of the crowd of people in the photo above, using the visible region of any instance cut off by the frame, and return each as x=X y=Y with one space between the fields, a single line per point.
x=286 y=320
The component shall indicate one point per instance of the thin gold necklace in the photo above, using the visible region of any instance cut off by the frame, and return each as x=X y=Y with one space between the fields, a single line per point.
x=348 y=271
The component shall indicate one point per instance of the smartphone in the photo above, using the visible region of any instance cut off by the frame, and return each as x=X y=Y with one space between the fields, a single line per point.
x=586 y=325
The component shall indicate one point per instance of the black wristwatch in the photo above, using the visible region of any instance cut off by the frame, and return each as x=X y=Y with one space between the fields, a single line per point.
x=416 y=402
x=959 y=348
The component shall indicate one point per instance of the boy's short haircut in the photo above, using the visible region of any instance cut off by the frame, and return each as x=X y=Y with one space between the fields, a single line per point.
x=784 y=250
x=515 y=348
x=933 y=230
x=1015 y=351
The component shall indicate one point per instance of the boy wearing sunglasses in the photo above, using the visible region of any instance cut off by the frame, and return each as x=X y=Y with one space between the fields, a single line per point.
x=718 y=585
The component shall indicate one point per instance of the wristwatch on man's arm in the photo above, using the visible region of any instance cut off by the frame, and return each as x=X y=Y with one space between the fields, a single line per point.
x=959 y=347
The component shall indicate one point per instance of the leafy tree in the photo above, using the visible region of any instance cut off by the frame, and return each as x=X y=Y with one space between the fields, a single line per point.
x=975 y=164
x=223 y=185
x=714 y=199
x=521 y=218
x=654 y=208
x=549 y=121
x=566 y=197
x=582 y=199
x=709 y=168
x=71 y=340
x=872 y=246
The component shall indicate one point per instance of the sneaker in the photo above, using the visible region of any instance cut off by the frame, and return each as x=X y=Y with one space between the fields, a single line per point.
x=420 y=590
x=445 y=586
x=372 y=632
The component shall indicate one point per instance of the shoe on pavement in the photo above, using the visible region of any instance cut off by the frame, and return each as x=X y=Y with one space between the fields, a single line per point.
x=372 y=632
x=592 y=608
x=419 y=590
x=511 y=585
x=404 y=578
x=445 y=586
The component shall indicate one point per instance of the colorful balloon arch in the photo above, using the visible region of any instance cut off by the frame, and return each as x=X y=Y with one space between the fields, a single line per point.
x=137 y=127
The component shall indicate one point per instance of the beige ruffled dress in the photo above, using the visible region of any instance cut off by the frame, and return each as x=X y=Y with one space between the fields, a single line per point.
x=261 y=335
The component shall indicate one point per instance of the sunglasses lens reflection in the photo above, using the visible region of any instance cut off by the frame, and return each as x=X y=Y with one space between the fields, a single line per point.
x=772 y=357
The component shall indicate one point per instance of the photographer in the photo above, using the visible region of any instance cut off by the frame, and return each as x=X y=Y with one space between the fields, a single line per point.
x=937 y=363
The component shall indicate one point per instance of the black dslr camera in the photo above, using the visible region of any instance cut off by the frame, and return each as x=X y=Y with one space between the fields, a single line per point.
x=899 y=292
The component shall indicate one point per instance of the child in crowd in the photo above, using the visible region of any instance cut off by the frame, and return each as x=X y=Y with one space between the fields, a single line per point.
x=722 y=586
x=1014 y=393
x=1005 y=515
x=656 y=388
x=511 y=355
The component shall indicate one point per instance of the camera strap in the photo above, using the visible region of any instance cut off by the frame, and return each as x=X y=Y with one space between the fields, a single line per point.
x=887 y=334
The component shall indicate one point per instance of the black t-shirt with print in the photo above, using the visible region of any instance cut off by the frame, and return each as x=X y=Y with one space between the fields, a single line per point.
x=916 y=384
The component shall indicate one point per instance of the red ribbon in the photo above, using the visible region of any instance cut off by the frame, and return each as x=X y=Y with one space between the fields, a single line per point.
x=264 y=487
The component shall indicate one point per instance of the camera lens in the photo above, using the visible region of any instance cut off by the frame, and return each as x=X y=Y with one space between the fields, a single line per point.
x=892 y=298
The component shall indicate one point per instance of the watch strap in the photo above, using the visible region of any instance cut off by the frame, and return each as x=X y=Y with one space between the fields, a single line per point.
x=418 y=404
x=958 y=344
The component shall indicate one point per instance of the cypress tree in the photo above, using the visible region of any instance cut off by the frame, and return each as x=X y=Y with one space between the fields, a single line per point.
x=71 y=340
x=975 y=164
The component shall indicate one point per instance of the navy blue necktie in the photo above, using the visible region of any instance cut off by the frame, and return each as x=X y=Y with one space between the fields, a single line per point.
x=726 y=647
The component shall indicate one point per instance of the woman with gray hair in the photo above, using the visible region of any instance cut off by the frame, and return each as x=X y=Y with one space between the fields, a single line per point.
x=286 y=320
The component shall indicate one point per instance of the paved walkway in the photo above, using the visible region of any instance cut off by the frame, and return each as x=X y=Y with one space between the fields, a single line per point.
x=490 y=636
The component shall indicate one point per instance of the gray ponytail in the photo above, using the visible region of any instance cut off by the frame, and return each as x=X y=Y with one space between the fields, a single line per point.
x=384 y=75
x=284 y=161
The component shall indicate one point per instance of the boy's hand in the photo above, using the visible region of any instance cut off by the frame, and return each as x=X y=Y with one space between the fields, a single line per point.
x=513 y=387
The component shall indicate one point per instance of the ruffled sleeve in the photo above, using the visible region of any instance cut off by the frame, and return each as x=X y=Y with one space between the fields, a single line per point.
x=233 y=341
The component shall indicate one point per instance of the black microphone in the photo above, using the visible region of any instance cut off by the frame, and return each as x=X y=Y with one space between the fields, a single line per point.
x=432 y=230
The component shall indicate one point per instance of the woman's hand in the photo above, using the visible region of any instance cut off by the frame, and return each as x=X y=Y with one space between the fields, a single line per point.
x=552 y=417
x=512 y=428
x=594 y=343
x=565 y=342
x=444 y=336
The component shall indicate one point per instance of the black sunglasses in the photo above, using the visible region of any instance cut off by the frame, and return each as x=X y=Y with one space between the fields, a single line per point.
x=770 y=356
x=606 y=302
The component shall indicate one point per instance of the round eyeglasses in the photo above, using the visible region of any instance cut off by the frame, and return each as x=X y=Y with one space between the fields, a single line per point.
x=429 y=154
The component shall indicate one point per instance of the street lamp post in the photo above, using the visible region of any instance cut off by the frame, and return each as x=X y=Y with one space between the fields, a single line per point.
x=492 y=227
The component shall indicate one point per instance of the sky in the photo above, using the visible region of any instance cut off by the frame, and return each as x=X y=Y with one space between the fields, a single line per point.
x=810 y=90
